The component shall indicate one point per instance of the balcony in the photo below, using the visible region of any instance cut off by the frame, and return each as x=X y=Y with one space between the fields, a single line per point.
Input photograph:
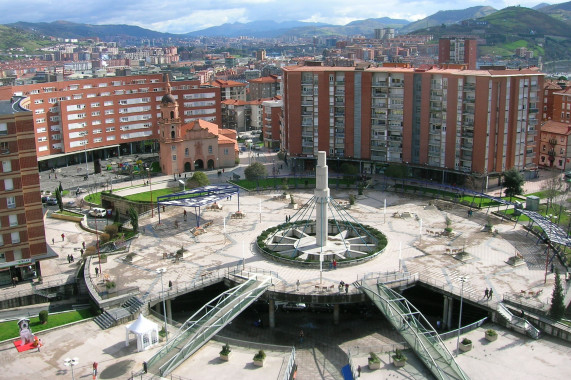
x=307 y=144
x=380 y=83
x=533 y=110
x=553 y=142
x=395 y=106
x=436 y=120
x=469 y=87
x=397 y=85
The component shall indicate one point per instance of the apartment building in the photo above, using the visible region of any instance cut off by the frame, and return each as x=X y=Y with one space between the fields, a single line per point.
x=448 y=120
x=242 y=115
x=272 y=122
x=562 y=105
x=105 y=117
x=555 y=145
x=22 y=236
x=230 y=89
x=264 y=87
x=549 y=89
x=458 y=50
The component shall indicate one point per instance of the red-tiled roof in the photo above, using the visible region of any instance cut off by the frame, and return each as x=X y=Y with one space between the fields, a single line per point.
x=556 y=127
x=227 y=83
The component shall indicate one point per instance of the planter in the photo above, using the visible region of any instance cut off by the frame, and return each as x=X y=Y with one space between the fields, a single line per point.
x=259 y=363
x=465 y=347
x=399 y=363
x=375 y=365
x=225 y=357
x=491 y=338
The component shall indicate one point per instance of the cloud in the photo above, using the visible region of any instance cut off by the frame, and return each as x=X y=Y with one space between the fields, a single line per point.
x=182 y=16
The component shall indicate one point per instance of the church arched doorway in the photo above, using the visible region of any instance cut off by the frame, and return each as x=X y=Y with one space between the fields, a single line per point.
x=198 y=165
x=187 y=167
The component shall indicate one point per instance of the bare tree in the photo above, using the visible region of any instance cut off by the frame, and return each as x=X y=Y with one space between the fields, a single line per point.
x=553 y=188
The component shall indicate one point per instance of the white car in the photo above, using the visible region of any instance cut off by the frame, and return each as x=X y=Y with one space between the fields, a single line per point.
x=98 y=212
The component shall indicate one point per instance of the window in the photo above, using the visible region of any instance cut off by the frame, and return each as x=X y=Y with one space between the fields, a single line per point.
x=17 y=254
x=108 y=103
x=186 y=152
x=174 y=157
x=41 y=130
x=11 y=202
x=209 y=148
x=225 y=151
x=110 y=120
x=9 y=184
x=15 y=237
x=4 y=147
x=3 y=128
x=2 y=257
x=6 y=166
x=110 y=129
x=13 y=220
x=95 y=113
x=173 y=148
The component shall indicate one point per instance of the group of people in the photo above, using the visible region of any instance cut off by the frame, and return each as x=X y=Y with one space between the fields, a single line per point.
x=342 y=285
x=488 y=293
x=70 y=258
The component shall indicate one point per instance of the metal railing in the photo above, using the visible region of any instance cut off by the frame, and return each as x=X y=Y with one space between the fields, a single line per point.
x=463 y=330
x=290 y=366
x=33 y=289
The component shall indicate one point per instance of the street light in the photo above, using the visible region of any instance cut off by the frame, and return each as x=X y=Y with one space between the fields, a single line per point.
x=161 y=271
x=463 y=279
x=86 y=167
x=151 y=189
x=71 y=363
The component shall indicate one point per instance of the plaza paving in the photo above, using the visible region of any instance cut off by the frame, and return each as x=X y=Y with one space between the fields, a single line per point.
x=211 y=253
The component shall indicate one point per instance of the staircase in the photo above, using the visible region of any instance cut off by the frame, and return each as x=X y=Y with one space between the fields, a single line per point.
x=118 y=315
x=516 y=323
x=205 y=323
x=415 y=330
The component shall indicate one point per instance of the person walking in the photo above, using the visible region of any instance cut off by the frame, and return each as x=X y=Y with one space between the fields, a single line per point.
x=334 y=264
x=300 y=336
x=53 y=241
x=96 y=272
x=83 y=244
x=359 y=371
x=347 y=288
x=297 y=285
x=170 y=284
x=490 y=294
x=62 y=237
x=486 y=293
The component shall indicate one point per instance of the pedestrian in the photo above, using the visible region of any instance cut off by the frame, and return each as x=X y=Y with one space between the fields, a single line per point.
x=330 y=265
x=55 y=175
x=62 y=237
x=347 y=288
x=486 y=293
x=163 y=208
x=49 y=176
x=68 y=260
x=551 y=267
x=297 y=284
x=359 y=371
x=438 y=323
x=184 y=213
x=81 y=251
x=300 y=336
x=53 y=241
x=334 y=264
x=83 y=244
x=71 y=257
x=96 y=272
x=286 y=218
x=39 y=344
x=170 y=284
x=490 y=293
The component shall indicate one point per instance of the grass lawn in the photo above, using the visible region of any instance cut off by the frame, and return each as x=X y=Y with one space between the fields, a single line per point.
x=68 y=213
x=94 y=198
x=301 y=182
x=146 y=196
x=10 y=329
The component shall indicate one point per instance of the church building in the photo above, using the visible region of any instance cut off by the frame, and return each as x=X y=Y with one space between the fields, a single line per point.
x=198 y=145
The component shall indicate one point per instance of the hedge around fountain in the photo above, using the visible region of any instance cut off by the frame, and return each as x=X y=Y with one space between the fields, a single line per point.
x=276 y=256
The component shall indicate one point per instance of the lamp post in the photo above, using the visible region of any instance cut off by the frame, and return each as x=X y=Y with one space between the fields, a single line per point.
x=161 y=271
x=86 y=167
x=463 y=279
x=71 y=363
x=97 y=237
x=151 y=189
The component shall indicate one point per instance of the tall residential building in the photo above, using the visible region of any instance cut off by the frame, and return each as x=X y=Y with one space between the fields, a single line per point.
x=555 y=145
x=272 y=122
x=230 y=89
x=265 y=87
x=458 y=50
x=448 y=120
x=549 y=90
x=22 y=236
x=562 y=105
x=109 y=116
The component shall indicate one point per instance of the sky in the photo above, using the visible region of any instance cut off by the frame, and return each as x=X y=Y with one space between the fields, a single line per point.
x=183 y=16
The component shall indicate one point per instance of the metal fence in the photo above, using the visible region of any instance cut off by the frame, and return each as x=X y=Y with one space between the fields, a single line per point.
x=463 y=330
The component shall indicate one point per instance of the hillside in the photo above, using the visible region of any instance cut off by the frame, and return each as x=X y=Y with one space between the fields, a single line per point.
x=11 y=38
x=64 y=29
x=360 y=27
x=447 y=18
x=561 y=11
x=260 y=29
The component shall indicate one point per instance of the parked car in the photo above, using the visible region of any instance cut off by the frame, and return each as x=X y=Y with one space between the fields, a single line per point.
x=51 y=201
x=293 y=306
x=98 y=212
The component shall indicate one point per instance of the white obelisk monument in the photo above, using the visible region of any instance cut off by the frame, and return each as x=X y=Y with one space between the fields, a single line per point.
x=321 y=200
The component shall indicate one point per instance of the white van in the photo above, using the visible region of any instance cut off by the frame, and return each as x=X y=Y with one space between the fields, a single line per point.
x=98 y=212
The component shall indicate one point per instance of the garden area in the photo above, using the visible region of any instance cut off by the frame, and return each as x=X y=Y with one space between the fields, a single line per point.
x=10 y=330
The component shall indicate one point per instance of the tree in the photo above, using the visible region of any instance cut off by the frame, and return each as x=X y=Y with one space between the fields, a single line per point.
x=134 y=217
x=58 y=199
x=553 y=187
x=198 y=179
x=557 y=308
x=43 y=316
x=255 y=172
x=513 y=181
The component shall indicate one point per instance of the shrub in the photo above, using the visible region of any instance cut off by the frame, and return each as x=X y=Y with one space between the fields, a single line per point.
x=104 y=237
x=466 y=341
x=448 y=229
x=90 y=251
x=399 y=355
x=225 y=349
x=373 y=358
x=112 y=230
x=351 y=199
x=43 y=317
x=491 y=332
x=110 y=284
x=261 y=355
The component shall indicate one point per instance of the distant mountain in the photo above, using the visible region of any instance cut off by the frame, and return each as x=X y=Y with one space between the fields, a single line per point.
x=261 y=28
x=559 y=11
x=359 y=27
x=65 y=29
x=539 y=6
x=448 y=17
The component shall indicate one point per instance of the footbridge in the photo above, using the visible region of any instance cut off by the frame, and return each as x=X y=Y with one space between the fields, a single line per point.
x=415 y=329
x=206 y=322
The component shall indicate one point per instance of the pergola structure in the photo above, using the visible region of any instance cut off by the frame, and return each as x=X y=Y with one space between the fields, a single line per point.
x=198 y=197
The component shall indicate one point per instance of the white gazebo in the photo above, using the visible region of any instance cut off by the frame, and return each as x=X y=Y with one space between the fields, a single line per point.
x=147 y=333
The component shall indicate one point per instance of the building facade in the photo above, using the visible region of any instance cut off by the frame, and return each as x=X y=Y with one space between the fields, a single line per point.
x=109 y=116
x=22 y=235
x=198 y=145
x=264 y=87
x=562 y=105
x=554 y=145
x=458 y=50
x=230 y=89
x=452 y=120
x=272 y=123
